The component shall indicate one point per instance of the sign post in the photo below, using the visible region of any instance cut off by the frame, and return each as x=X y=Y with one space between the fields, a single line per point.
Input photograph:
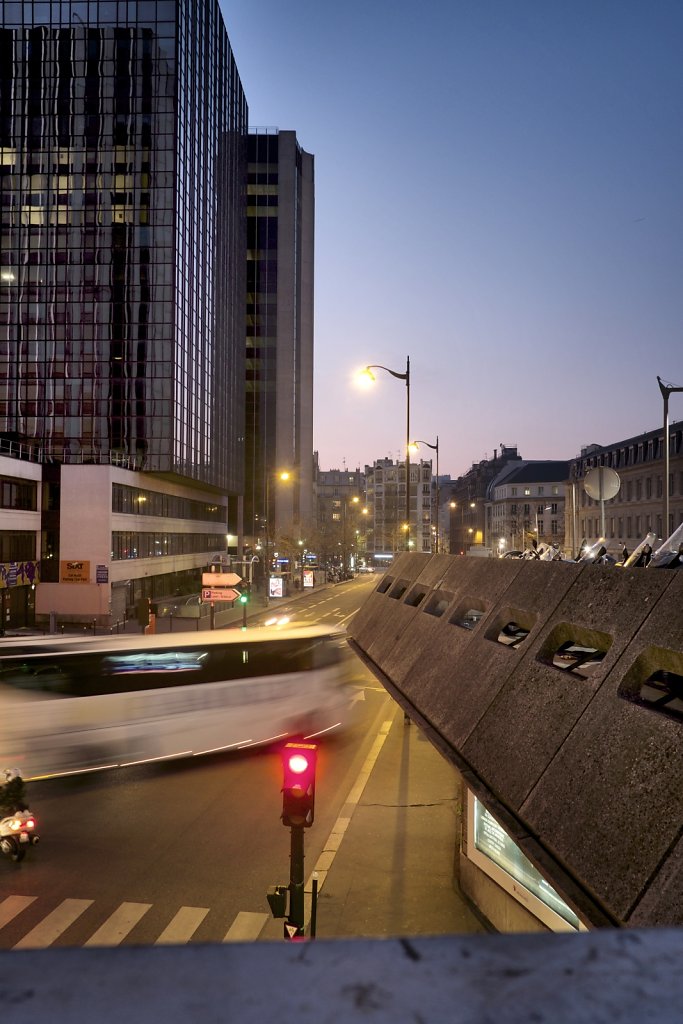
x=217 y=586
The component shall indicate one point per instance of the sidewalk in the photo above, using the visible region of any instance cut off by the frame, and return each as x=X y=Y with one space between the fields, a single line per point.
x=229 y=617
x=393 y=871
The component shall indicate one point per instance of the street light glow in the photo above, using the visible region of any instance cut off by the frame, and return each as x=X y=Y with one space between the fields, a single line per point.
x=365 y=378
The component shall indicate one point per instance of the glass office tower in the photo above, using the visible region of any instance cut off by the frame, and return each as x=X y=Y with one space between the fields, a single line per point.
x=279 y=336
x=123 y=128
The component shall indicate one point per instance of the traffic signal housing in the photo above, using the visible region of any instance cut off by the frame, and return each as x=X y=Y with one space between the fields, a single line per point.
x=298 y=785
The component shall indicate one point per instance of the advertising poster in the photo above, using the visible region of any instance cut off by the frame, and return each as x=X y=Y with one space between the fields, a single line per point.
x=74 y=572
x=276 y=586
x=492 y=841
x=308 y=578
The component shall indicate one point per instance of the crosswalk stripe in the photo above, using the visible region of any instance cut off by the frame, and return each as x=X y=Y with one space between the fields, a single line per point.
x=13 y=905
x=116 y=927
x=246 y=927
x=52 y=926
x=183 y=926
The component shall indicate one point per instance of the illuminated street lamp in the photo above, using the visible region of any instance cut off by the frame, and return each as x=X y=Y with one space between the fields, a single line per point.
x=453 y=505
x=368 y=376
x=434 y=447
x=283 y=476
x=355 y=500
x=546 y=508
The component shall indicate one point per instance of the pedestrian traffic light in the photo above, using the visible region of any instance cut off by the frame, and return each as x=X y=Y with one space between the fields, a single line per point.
x=243 y=598
x=298 y=786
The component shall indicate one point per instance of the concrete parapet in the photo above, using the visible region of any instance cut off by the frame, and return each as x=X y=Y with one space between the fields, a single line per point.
x=557 y=690
x=606 y=976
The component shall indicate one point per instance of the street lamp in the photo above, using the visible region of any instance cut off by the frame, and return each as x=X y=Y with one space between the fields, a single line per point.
x=354 y=501
x=462 y=534
x=302 y=559
x=666 y=389
x=546 y=508
x=283 y=476
x=368 y=375
x=434 y=447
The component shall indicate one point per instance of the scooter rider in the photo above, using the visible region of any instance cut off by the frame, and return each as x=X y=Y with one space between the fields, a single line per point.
x=12 y=792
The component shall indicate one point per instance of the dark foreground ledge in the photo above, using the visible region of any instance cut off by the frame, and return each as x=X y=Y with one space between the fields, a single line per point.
x=603 y=976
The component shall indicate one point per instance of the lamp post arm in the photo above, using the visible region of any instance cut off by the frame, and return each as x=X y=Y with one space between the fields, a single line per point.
x=406 y=377
x=435 y=448
x=394 y=373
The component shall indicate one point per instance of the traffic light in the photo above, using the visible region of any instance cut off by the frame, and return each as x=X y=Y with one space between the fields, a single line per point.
x=298 y=786
x=244 y=597
x=277 y=900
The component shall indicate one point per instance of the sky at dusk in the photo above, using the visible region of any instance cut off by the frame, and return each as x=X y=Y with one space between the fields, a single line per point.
x=498 y=197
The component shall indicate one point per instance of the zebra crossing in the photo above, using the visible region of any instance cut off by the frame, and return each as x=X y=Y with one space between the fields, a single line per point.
x=115 y=929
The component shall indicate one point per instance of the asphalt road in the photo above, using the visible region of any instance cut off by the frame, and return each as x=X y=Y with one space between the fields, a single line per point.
x=183 y=851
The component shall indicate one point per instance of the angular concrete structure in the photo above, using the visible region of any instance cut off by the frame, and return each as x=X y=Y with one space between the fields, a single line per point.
x=557 y=691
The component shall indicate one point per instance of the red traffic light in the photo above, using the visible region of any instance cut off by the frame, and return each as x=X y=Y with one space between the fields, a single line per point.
x=297 y=763
x=298 y=784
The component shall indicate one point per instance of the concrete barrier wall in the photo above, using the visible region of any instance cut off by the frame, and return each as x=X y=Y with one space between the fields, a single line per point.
x=580 y=761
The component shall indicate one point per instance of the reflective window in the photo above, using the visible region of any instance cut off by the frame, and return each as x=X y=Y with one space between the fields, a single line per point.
x=122 y=169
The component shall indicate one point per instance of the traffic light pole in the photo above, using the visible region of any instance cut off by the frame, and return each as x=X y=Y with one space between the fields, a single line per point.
x=298 y=801
x=296 y=882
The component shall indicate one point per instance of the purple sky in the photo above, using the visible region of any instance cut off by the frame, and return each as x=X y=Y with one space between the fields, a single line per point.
x=498 y=196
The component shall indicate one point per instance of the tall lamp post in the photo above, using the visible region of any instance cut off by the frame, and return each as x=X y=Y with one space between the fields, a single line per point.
x=283 y=476
x=453 y=505
x=354 y=501
x=666 y=389
x=546 y=508
x=369 y=375
x=434 y=447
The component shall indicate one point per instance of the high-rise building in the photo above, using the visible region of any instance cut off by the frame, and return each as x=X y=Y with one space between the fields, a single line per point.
x=279 y=337
x=123 y=130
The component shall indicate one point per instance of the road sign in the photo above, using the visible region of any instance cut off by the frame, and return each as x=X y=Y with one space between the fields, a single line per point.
x=220 y=579
x=219 y=594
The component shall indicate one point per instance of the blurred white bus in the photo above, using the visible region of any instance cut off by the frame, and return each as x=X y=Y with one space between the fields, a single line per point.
x=75 y=705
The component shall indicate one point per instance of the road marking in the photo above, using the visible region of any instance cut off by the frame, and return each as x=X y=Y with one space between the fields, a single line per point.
x=116 y=927
x=331 y=847
x=13 y=905
x=52 y=926
x=246 y=927
x=183 y=926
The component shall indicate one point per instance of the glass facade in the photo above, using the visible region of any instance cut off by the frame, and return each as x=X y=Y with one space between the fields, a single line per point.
x=261 y=339
x=122 y=252
x=279 y=333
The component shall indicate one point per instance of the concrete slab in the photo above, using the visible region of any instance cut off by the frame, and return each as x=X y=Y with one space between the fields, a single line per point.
x=611 y=801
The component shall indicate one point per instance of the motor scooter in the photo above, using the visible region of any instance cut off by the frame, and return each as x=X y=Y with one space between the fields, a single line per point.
x=641 y=556
x=18 y=826
x=670 y=554
x=17 y=833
